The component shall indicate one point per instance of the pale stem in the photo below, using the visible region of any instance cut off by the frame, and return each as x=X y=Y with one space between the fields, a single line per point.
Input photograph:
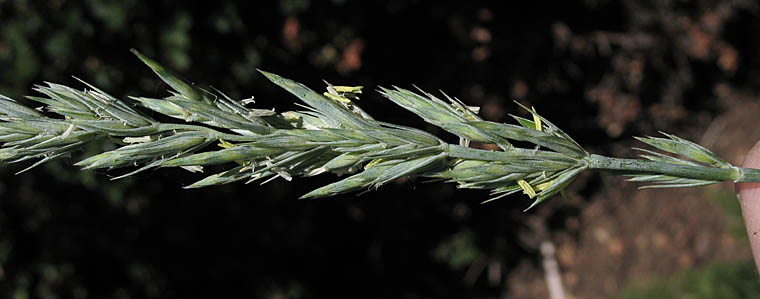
x=623 y=166
x=633 y=166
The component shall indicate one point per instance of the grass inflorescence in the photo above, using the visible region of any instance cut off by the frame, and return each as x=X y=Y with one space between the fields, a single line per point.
x=333 y=135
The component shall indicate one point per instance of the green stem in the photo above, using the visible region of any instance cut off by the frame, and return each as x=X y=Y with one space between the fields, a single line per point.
x=462 y=152
x=751 y=175
x=633 y=166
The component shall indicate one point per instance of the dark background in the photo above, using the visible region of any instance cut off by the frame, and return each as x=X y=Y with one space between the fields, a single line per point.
x=601 y=70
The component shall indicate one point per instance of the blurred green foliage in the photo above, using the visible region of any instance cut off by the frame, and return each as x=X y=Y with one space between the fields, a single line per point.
x=725 y=200
x=459 y=251
x=720 y=280
x=729 y=280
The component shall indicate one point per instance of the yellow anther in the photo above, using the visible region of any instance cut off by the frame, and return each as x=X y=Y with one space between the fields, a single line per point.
x=225 y=144
x=372 y=163
x=337 y=98
x=536 y=119
x=348 y=89
x=544 y=186
x=527 y=189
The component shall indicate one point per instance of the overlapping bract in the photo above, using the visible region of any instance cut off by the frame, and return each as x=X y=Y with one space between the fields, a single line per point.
x=700 y=157
x=332 y=136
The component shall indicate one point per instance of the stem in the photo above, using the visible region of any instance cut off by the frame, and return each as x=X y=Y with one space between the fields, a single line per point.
x=633 y=166
x=751 y=175
x=462 y=152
